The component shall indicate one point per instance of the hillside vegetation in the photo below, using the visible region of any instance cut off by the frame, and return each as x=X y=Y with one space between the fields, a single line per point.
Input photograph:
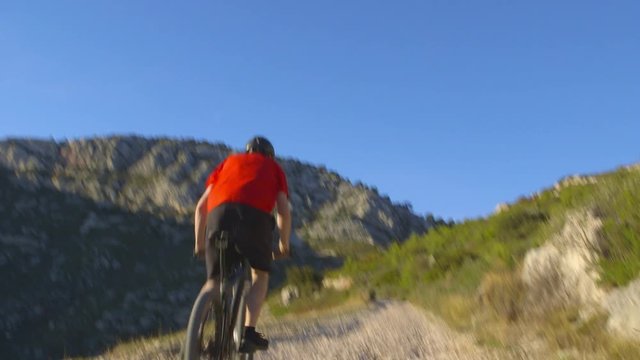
x=551 y=275
x=96 y=238
x=472 y=273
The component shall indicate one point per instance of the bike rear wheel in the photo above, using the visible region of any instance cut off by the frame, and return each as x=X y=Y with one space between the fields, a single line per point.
x=238 y=287
x=204 y=323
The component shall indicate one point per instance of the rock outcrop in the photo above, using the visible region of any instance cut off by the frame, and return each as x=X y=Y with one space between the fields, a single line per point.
x=564 y=273
x=623 y=307
x=166 y=176
x=564 y=270
x=96 y=236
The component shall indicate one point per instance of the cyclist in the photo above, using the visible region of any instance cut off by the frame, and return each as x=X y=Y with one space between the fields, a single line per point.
x=241 y=193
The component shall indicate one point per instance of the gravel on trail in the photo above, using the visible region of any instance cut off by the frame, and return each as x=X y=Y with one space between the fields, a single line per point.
x=382 y=330
x=385 y=330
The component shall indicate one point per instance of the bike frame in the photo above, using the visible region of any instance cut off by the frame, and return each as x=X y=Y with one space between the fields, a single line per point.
x=225 y=308
x=235 y=280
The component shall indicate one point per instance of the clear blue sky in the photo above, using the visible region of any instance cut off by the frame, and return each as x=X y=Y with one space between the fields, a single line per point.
x=451 y=105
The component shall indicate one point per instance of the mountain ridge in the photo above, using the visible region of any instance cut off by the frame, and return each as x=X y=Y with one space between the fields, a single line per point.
x=174 y=171
x=96 y=236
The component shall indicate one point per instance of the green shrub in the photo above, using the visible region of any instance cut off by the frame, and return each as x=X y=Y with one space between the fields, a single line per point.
x=618 y=205
x=450 y=268
x=305 y=278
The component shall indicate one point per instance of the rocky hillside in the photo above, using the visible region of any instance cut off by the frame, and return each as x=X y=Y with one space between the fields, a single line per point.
x=96 y=236
x=560 y=267
x=166 y=176
x=553 y=275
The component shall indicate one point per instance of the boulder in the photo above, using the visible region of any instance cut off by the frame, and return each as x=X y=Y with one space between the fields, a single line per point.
x=341 y=283
x=623 y=306
x=288 y=294
x=563 y=272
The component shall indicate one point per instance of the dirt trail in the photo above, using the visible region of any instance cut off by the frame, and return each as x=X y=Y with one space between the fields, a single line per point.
x=384 y=330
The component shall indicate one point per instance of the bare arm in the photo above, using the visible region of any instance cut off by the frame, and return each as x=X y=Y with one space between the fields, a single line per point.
x=201 y=221
x=283 y=221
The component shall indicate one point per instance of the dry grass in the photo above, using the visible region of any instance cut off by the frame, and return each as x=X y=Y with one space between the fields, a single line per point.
x=502 y=293
x=161 y=347
x=501 y=316
x=457 y=310
x=565 y=330
x=322 y=303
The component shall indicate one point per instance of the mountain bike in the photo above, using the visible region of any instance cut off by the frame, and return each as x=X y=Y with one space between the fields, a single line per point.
x=216 y=324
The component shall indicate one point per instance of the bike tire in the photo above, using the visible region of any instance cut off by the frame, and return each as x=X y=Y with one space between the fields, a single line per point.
x=239 y=287
x=204 y=323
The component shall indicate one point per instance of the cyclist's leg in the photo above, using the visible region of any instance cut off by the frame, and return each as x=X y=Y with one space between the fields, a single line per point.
x=211 y=260
x=255 y=245
x=256 y=296
x=221 y=218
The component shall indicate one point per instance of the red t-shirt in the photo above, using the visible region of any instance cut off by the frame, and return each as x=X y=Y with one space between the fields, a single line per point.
x=250 y=179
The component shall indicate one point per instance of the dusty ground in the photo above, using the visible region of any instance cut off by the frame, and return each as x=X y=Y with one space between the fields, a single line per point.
x=384 y=330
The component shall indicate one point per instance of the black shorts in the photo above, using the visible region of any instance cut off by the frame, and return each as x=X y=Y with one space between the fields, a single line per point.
x=252 y=237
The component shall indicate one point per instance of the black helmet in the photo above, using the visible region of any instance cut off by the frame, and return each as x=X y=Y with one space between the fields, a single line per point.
x=261 y=145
